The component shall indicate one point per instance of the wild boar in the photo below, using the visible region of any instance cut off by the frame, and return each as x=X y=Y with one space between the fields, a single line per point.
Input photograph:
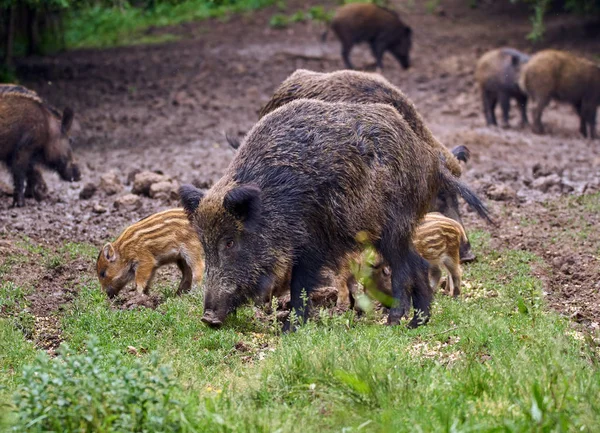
x=160 y=239
x=380 y=27
x=308 y=177
x=32 y=132
x=553 y=74
x=497 y=74
x=361 y=87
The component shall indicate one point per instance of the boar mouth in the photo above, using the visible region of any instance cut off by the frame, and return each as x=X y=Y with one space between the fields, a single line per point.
x=212 y=319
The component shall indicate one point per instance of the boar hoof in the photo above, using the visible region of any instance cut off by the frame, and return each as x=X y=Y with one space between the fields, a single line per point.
x=394 y=318
x=211 y=320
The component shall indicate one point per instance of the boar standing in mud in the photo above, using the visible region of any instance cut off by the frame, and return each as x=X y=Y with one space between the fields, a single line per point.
x=497 y=74
x=31 y=133
x=381 y=28
x=361 y=87
x=307 y=178
x=552 y=74
x=160 y=239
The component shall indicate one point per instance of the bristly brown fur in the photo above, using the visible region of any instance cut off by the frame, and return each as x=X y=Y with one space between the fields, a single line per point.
x=159 y=239
x=33 y=133
x=559 y=75
x=357 y=87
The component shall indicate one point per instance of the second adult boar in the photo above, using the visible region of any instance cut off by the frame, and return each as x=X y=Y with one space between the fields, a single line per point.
x=360 y=87
x=497 y=74
x=309 y=177
x=380 y=27
x=31 y=133
x=553 y=74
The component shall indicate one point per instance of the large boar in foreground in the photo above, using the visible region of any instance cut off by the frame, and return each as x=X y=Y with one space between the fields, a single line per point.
x=306 y=180
x=31 y=133
x=497 y=74
x=552 y=74
x=361 y=87
x=381 y=28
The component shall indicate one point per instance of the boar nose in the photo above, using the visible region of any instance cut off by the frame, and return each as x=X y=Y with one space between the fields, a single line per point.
x=211 y=319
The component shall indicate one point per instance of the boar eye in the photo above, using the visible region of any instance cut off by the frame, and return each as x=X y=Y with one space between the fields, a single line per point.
x=102 y=274
x=229 y=244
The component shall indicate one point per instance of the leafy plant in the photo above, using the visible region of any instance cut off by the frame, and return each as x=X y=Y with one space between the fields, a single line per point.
x=96 y=392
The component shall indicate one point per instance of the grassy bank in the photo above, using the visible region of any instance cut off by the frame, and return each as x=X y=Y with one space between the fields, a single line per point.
x=496 y=360
x=100 y=26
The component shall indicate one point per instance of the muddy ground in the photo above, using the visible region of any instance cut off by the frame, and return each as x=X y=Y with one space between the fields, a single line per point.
x=167 y=107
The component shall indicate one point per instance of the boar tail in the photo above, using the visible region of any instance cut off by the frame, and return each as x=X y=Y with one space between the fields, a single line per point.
x=452 y=184
x=324 y=35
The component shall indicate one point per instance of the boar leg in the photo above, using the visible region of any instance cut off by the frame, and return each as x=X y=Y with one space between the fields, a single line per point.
x=522 y=101
x=20 y=167
x=451 y=264
x=422 y=294
x=346 y=48
x=505 y=106
x=398 y=256
x=187 y=277
x=144 y=275
x=588 y=119
x=36 y=186
x=378 y=49
x=305 y=276
x=542 y=102
x=489 y=105
x=435 y=275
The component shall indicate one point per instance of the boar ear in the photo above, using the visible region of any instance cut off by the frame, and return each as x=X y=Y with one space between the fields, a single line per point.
x=244 y=202
x=190 y=197
x=233 y=142
x=67 y=120
x=109 y=252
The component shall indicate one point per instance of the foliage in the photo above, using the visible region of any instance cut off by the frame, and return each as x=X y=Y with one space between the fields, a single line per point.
x=96 y=392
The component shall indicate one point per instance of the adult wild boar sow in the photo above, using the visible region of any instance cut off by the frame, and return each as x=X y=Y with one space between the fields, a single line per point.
x=381 y=28
x=309 y=177
x=552 y=74
x=31 y=133
x=497 y=74
x=360 y=87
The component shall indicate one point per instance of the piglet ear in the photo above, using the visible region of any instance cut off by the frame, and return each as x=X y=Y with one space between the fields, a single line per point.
x=67 y=120
x=190 y=198
x=244 y=202
x=109 y=252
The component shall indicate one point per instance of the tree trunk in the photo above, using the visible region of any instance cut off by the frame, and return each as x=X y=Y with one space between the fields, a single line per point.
x=10 y=35
x=33 y=36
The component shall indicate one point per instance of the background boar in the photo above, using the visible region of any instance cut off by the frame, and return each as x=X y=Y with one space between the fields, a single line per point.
x=31 y=132
x=564 y=77
x=160 y=239
x=497 y=74
x=309 y=177
x=381 y=28
x=360 y=87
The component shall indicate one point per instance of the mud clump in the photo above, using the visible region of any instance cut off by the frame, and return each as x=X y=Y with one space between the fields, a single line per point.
x=128 y=202
x=143 y=181
x=110 y=183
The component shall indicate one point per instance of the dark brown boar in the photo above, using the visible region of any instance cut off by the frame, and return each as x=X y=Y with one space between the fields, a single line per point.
x=307 y=178
x=361 y=87
x=32 y=132
x=497 y=74
x=381 y=28
x=552 y=74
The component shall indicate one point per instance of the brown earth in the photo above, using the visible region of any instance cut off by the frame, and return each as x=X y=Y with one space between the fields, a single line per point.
x=167 y=107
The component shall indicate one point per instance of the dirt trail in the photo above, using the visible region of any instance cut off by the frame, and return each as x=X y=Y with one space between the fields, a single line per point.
x=167 y=107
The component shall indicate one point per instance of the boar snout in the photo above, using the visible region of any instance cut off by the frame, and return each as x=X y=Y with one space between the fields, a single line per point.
x=212 y=319
x=111 y=292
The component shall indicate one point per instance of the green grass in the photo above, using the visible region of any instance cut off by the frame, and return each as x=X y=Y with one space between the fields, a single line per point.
x=98 y=26
x=496 y=360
